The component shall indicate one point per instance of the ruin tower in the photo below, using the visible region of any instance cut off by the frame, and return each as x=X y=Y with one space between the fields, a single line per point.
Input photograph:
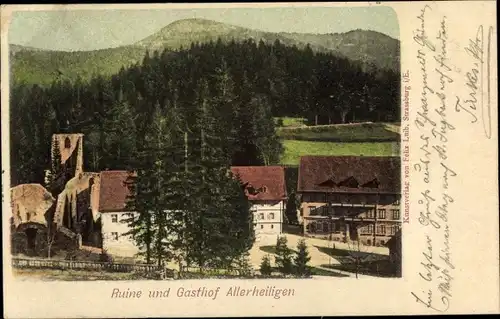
x=66 y=158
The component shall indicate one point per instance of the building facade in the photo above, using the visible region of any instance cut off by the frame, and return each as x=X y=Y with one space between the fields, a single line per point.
x=115 y=240
x=114 y=215
x=265 y=189
x=350 y=198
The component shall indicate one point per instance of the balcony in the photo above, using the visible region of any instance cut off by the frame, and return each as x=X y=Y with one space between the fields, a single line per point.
x=361 y=205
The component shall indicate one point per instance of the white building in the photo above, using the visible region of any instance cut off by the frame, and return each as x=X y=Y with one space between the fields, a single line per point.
x=265 y=189
x=115 y=240
x=113 y=194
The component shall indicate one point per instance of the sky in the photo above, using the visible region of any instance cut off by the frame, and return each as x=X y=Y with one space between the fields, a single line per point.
x=75 y=30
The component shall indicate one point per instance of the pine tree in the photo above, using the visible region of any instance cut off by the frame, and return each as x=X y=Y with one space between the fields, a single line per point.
x=119 y=141
x=139 y=201
x=219 y=225
x=156 y=194
x=265 y=266
x=223 y=108
x=301 y=259
x=266 y=140
x=283 y=256
x=291 y=208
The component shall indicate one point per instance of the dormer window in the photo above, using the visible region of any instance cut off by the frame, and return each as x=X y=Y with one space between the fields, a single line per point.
x=350 y=182
x=254 y=191
x=372 y=184
x=251 y=190
x=67 y=142
x=328 y=183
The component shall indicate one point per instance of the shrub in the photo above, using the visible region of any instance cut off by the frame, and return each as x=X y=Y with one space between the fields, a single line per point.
x=244 y=266
x=265 y=266
x=105 y=257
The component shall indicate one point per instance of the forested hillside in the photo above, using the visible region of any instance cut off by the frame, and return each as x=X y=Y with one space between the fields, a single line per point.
x=238 y=85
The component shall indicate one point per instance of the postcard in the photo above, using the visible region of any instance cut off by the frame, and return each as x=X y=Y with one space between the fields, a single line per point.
x=277 y=159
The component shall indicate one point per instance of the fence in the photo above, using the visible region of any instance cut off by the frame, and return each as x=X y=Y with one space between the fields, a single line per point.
x=233 y=272
x=82 y=265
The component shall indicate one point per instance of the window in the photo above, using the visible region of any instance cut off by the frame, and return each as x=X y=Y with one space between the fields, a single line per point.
x=271 y=215
x=395 y=214
x=261 y=216
x=381 y=229
x=67 y=142
x=28 y=216
x=261 y=226
x=391 y=230
x=326 y=227
x=370 y=213
x=367 y=229
x=114 y=236
x=114 y=218
x=312 y=227
x=318 y=197
x=272 y=226
x=394 y=229
x=370 y=229
x=381 y=213
x=126 y=217
x=319 y=227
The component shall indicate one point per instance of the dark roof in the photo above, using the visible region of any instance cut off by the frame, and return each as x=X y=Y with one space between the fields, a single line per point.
x=113 y=191
x=262 y=182
x=361 y=174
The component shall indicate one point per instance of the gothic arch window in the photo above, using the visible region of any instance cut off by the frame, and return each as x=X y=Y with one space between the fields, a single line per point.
x=67 y=142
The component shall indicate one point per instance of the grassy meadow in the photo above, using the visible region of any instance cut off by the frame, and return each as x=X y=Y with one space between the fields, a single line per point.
x=289 y=121
x=358 y=132
x=367 y=139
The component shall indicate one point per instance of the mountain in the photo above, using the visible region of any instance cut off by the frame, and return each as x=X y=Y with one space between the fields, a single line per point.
x=360 y=45
x=31 y=65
